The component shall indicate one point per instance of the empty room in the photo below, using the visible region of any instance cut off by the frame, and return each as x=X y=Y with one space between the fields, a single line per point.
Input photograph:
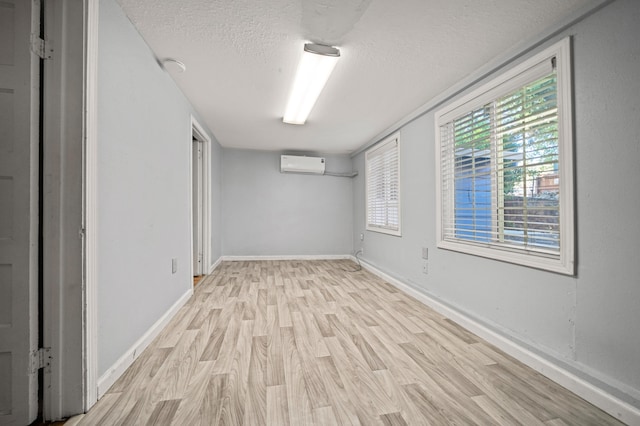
x=320 y=212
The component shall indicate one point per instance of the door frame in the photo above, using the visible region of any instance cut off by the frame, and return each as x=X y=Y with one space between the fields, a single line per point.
x=197 y=158
x=70 y=206
x=90 y=178
x=198 y=132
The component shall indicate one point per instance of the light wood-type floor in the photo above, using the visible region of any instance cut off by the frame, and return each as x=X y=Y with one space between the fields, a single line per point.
x=197 y=279
x=308 y=342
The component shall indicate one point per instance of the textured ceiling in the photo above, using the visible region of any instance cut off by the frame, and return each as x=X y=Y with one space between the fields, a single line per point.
x=241 y=57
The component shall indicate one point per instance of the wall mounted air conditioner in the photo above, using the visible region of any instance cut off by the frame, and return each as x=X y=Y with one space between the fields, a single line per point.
x=299 y=164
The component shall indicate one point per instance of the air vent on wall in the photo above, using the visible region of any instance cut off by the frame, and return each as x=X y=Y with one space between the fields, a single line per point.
x=300 y=164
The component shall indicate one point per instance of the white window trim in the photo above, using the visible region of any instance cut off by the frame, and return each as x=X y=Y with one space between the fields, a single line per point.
x=395 y=138
x=565 y=263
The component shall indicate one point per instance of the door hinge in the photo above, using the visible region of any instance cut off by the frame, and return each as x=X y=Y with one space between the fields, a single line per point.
x=40 y=358
x=41 y=47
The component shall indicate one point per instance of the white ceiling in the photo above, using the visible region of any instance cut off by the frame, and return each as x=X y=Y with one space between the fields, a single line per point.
x=241 y=57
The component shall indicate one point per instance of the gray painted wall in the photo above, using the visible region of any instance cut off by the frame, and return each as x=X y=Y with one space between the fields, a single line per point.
x=588 y=322
x=144 y=178
x=266 y=212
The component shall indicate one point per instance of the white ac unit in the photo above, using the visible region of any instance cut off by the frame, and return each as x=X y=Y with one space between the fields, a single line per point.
x=299 y=164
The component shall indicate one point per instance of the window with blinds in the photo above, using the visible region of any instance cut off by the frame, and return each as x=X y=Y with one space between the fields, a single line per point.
x=382 y=176
x=505 y=167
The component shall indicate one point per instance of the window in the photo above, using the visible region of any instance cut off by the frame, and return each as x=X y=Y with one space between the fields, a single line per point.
x=382 y=165
x=505 y=172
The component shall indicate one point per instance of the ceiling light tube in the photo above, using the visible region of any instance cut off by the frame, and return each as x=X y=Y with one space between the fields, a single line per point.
x=314 y=70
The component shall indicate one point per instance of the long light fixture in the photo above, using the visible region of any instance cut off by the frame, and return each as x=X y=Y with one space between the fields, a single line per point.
x=314 y=70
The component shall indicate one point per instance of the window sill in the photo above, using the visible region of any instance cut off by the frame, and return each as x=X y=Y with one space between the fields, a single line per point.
x=537 y=260
x=395 y=233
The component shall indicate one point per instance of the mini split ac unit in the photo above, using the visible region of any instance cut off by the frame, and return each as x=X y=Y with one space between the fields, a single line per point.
x=299 y=164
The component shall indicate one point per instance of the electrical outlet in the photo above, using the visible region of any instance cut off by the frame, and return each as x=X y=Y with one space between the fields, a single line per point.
x=361 y=237
x=425 y=253
x=425 y=268
x=174 y=265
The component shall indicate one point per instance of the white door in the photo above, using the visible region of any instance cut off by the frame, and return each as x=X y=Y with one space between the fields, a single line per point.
x=196 y=167
x=19 y=109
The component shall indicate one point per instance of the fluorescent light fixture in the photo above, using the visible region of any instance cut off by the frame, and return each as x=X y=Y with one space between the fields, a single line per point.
x=314 y=70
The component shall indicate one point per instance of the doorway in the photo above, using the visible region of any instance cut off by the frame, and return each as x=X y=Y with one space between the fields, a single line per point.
x=200 y=201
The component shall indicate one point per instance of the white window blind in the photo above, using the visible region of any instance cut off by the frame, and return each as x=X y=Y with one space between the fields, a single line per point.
x=383 y=186
x=505 y=168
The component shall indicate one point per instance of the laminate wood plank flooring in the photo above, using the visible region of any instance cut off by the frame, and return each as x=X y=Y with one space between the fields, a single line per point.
x=317 y=343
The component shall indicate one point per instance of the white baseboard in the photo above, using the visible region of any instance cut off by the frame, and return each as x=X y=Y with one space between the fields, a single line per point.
x=288 y=257
x=619 y=409
x=215 y=265
x=118 y=368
